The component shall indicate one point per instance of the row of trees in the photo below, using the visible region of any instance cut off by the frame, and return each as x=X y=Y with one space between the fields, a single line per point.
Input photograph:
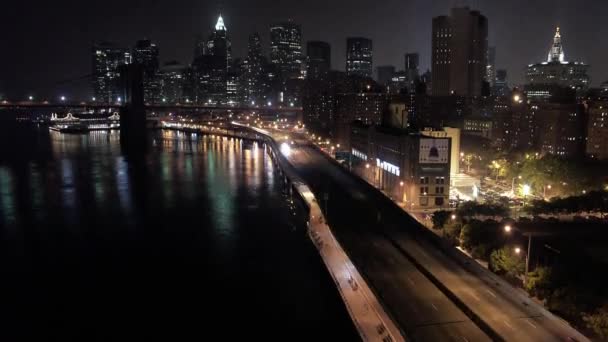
x=594 y=201
x=564 y=176
x=574 y=287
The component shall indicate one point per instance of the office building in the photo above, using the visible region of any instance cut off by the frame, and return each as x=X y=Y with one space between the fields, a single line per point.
x=597 y=129
x=560 y=129
x=252 y=77
x=491 y=66
x=146 y=53
x=359 y=57
x=459 y=53
x=318 y=59
x=172 y=80
x=523 y=119
x=501 y=85
x=107 y=57
x=412 y=72
x=286 y=49
x=557 y=71
x=219 y=44
x=213 y=66
x=479 y=126
x=384 y=74
x=399 y=83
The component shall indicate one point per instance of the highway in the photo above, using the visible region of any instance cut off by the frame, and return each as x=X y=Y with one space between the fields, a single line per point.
x=422 y=311
x=426 y=291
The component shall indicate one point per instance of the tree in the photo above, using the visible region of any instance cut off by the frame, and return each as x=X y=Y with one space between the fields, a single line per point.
x=440 y=218
x=471 y=209
x=452 y=230
x=598 y=321
x=539 y=282
x=506 y=261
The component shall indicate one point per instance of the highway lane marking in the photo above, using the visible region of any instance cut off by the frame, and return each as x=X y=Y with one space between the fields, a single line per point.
x=491 y=293
x=475 y=296
x=507 y=324
x=434 y=307
x=528 y=321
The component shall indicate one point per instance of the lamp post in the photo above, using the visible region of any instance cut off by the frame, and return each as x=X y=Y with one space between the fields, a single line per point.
x=545 y=191
x=526 y=191
x=508 y=230
x=401 y=185
x=513 y=184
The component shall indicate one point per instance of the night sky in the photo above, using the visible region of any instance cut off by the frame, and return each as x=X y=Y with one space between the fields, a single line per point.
x=46 y=44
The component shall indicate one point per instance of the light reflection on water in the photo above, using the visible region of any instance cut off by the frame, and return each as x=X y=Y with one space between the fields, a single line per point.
x=100 y=241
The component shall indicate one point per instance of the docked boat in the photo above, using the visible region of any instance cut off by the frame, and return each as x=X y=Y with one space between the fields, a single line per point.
x=78 y=128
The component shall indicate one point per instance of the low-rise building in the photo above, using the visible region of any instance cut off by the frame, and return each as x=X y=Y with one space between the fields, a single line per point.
x=412 y=167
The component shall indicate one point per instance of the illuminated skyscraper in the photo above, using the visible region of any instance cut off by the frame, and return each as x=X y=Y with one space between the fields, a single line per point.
x=107 y=57
x=213 y=66
x=286 y=49
x=557 y=71
x=219 y=43
x=172 y=78
x=146 y=54
x=359 y=57
x=252 y=77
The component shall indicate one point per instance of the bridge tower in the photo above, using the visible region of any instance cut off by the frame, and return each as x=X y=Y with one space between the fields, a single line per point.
x=133 y=111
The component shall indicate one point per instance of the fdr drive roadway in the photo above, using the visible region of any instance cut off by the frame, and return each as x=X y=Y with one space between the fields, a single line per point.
x=430 y=295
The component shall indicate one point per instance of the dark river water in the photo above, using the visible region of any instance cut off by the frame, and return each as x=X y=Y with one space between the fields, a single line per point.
x=194 y=241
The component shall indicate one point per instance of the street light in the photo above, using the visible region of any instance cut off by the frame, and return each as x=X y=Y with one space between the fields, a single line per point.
x=513 y=184
x=545 y=190
x=526 y=190
x=31 y=98
x=453 y=217
x=62 y=98
x=518 y=251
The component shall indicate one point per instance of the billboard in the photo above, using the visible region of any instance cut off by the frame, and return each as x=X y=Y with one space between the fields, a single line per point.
x=434 y=151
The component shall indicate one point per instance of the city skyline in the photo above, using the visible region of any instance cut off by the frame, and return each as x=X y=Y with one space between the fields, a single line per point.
x=395 y=29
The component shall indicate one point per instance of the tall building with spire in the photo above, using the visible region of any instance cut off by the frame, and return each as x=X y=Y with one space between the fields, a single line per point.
x=212 y=64
x=556 y=54
x=556 y=71
x=219 y=43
